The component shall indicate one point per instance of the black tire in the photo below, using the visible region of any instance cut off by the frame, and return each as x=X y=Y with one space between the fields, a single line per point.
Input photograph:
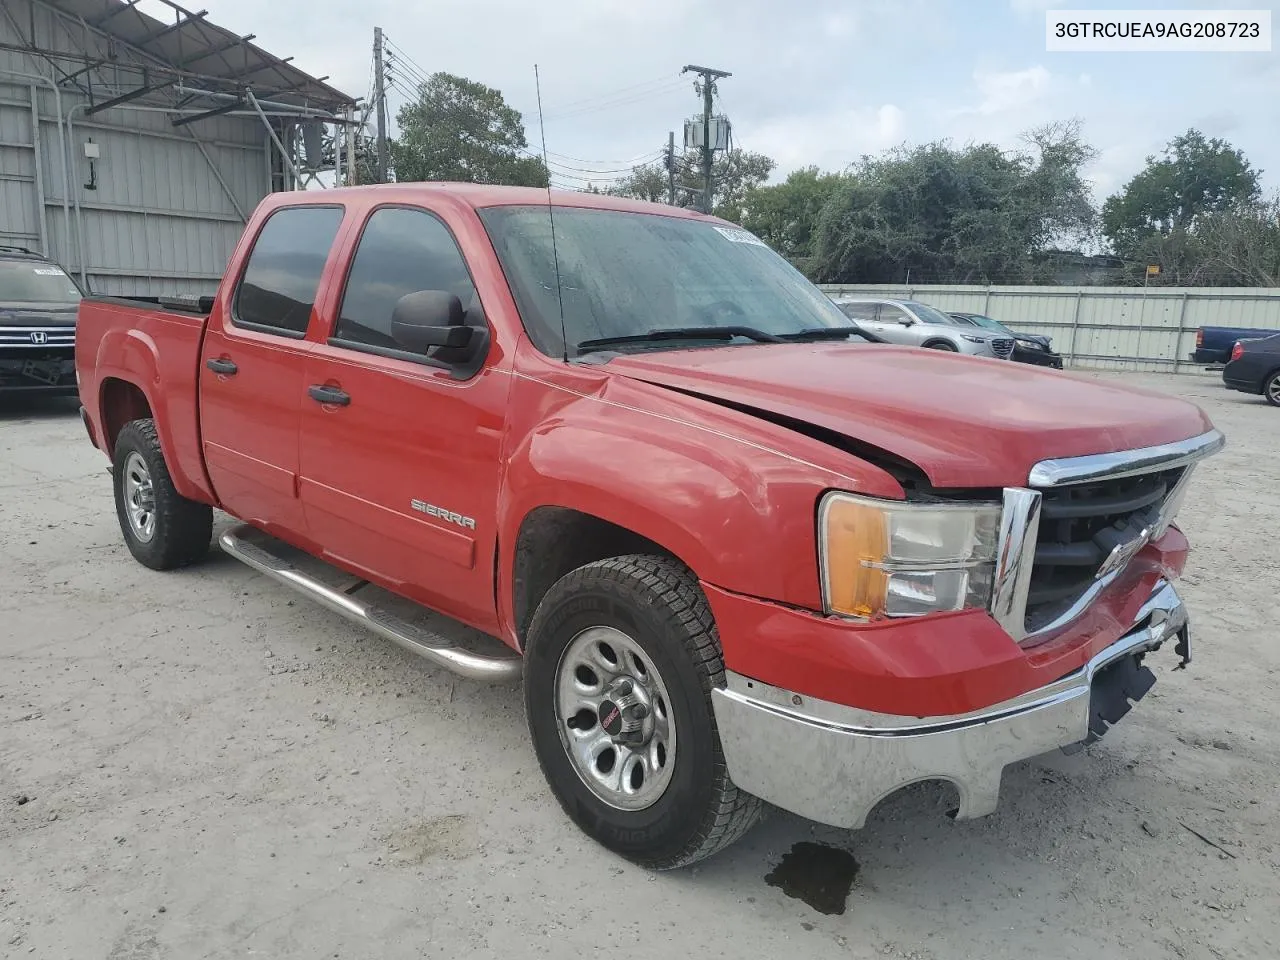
x=1271 y=388
x=181 y=528
x=659 y=605
x=941 y=345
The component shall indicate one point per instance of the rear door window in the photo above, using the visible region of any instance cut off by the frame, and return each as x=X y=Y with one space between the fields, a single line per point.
x=278 y=289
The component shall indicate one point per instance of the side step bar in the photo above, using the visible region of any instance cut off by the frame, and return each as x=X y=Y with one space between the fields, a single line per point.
x=415 y=639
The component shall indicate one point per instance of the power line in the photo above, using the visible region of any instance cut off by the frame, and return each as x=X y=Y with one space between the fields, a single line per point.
x=633 y=162
x=613 y=104
x=659 y=81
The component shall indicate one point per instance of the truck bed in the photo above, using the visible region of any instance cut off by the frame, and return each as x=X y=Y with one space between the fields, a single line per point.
x=138 y=357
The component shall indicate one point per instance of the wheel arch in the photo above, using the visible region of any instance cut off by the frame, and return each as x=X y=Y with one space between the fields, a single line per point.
x=555 y=540
x=936 y=341
x=119 y=401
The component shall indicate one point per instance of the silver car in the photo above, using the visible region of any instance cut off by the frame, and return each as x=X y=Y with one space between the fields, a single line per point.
x=916 y=324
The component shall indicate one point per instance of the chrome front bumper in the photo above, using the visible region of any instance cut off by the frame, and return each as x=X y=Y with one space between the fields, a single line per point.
x=833 y=763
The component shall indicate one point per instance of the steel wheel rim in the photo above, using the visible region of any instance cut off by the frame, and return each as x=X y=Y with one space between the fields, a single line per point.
x=139 y=498
x=625 y=775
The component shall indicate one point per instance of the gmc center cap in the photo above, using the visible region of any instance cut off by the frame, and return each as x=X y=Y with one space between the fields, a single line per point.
x=610 y=717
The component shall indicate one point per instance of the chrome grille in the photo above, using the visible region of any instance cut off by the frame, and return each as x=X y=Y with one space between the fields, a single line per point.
x=1002 y=347
x=37 y=337
x=1080 y=525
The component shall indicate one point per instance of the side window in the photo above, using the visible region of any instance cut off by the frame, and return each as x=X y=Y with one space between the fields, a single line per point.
x=859 y=311
x=892 y=314
x=401 y=251
x=279 y=285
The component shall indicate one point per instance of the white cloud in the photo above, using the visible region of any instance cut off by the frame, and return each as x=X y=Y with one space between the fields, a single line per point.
x=1004 y=91
x=830 y=140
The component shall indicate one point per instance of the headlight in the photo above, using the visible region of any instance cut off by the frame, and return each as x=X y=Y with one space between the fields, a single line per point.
x=966 y=336
x=894 y=559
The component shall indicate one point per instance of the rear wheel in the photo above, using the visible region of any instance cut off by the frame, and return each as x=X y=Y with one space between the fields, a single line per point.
x=1271 y=389
x=621 y=659
x=162 y=528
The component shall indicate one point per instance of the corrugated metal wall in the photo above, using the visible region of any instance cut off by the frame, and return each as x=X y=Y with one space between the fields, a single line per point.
x=1105 y=327
x=153 y=216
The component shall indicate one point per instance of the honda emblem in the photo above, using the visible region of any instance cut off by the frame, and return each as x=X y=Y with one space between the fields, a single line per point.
x=39 y=337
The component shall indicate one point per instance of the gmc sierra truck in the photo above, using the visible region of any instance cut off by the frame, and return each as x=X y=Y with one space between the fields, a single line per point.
x=739 y=553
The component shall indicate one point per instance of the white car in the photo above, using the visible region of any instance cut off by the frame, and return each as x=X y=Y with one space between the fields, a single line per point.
x=916 y=324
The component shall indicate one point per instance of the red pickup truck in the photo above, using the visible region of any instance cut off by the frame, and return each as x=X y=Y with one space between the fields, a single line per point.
x=739 y=552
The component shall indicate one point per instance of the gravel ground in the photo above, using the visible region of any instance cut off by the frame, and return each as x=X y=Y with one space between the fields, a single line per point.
x=199 y=765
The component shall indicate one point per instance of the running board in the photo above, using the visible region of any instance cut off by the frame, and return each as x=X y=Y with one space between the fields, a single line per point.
x=425 y=643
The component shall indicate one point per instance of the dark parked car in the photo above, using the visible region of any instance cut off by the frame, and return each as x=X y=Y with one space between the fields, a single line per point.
x=1214 y=344
x=1255 y=368
x=38 y=302
x=1027 y=348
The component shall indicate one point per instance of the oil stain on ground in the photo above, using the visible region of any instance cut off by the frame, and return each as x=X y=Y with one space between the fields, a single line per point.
x=819 y=875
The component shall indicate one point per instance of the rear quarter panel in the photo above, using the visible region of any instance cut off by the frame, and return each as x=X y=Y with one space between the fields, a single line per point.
x=158 y=352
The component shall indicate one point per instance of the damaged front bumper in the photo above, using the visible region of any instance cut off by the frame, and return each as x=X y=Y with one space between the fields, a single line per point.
x=833 y=763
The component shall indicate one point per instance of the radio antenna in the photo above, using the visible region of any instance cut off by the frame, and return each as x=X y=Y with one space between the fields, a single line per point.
x=555 y=253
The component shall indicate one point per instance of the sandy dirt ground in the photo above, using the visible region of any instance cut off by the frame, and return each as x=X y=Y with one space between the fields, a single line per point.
x=199 y=765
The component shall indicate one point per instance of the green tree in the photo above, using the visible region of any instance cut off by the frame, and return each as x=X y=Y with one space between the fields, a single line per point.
x=785 y=215
x=647 y=182
x=461 y=130
x=1195 y=176
x=733 y=176
x=1241 y=245
x=974 y=215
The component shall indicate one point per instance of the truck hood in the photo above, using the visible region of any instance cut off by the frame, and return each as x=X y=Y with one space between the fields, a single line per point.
x=37 y=314
x=964 y=421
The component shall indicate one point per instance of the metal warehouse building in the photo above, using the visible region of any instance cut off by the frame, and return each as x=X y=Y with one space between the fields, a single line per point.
x=132 y=148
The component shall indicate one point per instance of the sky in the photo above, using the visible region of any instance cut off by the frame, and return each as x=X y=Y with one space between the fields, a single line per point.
x=815 y=82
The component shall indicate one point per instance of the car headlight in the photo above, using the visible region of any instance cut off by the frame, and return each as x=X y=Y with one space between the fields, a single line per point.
x=965 y=336
x=895 y=559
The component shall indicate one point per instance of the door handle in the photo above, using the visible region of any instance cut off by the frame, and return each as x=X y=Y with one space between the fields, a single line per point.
x=220 y=365
x=322 y=393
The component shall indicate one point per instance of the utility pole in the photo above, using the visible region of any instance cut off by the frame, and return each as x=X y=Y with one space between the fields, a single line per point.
x=671 y=169
x=709 y=78
x=380 y=99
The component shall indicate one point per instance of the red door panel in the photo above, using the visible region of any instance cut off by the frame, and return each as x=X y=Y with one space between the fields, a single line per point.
x=403 y=530
x=402 y=483
x=249 y=426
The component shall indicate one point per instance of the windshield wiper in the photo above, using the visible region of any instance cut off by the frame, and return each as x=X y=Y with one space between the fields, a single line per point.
x=683 y=333
x=814 y=334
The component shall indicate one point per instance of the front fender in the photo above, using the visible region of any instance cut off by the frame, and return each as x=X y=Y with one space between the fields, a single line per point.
x=740 y=514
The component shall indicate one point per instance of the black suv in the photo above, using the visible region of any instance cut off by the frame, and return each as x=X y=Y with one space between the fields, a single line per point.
x=38 y=302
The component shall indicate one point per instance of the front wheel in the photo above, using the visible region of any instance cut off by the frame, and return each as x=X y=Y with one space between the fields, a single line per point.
x=941 y=345
x=621 y=659
x=1271 y=389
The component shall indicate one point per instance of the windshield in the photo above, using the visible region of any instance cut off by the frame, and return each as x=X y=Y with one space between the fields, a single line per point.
x=35 y=281
x=928 y=314
x=630 y=274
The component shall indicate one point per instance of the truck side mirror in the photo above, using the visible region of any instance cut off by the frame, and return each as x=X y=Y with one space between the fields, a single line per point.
x=431 y=318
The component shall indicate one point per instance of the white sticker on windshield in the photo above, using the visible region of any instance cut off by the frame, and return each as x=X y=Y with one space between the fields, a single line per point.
x=49 y=272
x=739 y=236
